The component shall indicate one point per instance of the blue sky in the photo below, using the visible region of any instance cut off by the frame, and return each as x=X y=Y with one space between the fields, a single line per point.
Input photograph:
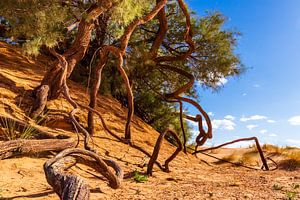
x=264 y=101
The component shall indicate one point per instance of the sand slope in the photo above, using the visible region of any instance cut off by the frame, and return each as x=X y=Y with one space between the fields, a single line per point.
x=190 y=177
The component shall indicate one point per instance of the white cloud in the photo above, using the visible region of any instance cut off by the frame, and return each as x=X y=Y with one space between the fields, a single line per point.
x=256 y=85
x=210 y=113
x=223 y=124
x=251 y=126
x=253 y=117
x=192 y=123
x=293 y=141
x=222 y=81
x=295 y=121
x=271 y=121
x=244 y=94
x=229 y=117
x=263 y=131
x=273 y=135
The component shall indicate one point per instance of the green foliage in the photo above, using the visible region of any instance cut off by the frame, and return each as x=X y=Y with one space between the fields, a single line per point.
x=125 y=12
x=39 y=22
x=128 y=10
x=214 y=57
x=138 y=177
x=291 y=195
x=11 y=130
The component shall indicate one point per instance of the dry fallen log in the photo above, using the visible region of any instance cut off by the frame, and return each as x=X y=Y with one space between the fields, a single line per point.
x=69 y=186
x=18 y=147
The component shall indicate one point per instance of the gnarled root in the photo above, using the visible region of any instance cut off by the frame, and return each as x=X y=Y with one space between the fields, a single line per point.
x=261 y=154
x=157 y=148
x=73 y=187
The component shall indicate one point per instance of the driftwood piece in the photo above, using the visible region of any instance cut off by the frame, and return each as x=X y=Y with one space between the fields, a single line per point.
x=157 y=148
x=17 y=147
x=73 y=187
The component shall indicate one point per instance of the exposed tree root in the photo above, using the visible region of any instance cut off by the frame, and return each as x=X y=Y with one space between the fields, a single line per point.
x=64 y=66
x=119 y=53
x=161 y=63
x=261 y=154
x=157 y=148
x=69 y=186
x=19 y=147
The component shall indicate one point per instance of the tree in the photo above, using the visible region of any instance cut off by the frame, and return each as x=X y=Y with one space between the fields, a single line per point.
x=158 y=49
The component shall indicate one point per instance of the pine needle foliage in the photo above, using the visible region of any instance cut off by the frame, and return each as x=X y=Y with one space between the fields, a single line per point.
x=39 y=22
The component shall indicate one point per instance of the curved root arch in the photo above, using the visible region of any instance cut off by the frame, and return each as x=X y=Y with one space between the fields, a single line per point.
x=161 y=63
x=64 y=65
x=157 y=149
x=69 y=186
x=261 y=154
x=119 y=52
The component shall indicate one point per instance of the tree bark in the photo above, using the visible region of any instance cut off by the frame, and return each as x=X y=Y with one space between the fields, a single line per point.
x=52 y=79
x=18 y=147
x=73 y=187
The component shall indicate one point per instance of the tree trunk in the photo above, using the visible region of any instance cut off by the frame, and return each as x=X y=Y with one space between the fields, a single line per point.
x=53 y=78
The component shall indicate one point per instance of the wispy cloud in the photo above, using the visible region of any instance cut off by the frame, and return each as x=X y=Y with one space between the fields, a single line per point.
x=295 y=121
x=293 y=141
x=273 y=135
x=256 y=85
x=224 y=124
x=211 y=114
x=263 y=131
x=229 y=117
x=244 y=94
x=253 y=117
x=192 y=123
x=251 y=126
x=271 y=121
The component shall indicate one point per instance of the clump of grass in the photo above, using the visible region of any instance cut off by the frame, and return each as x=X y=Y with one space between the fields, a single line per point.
x=231 y=158
x=289 y=164
x=12 y=131
x=273 y=149
x=250 y=157
x=138 y=177
x=291 y=195
x=277 y=187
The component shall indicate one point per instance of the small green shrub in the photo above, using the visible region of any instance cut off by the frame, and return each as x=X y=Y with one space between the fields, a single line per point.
x=140 y=178
x=291 y=195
